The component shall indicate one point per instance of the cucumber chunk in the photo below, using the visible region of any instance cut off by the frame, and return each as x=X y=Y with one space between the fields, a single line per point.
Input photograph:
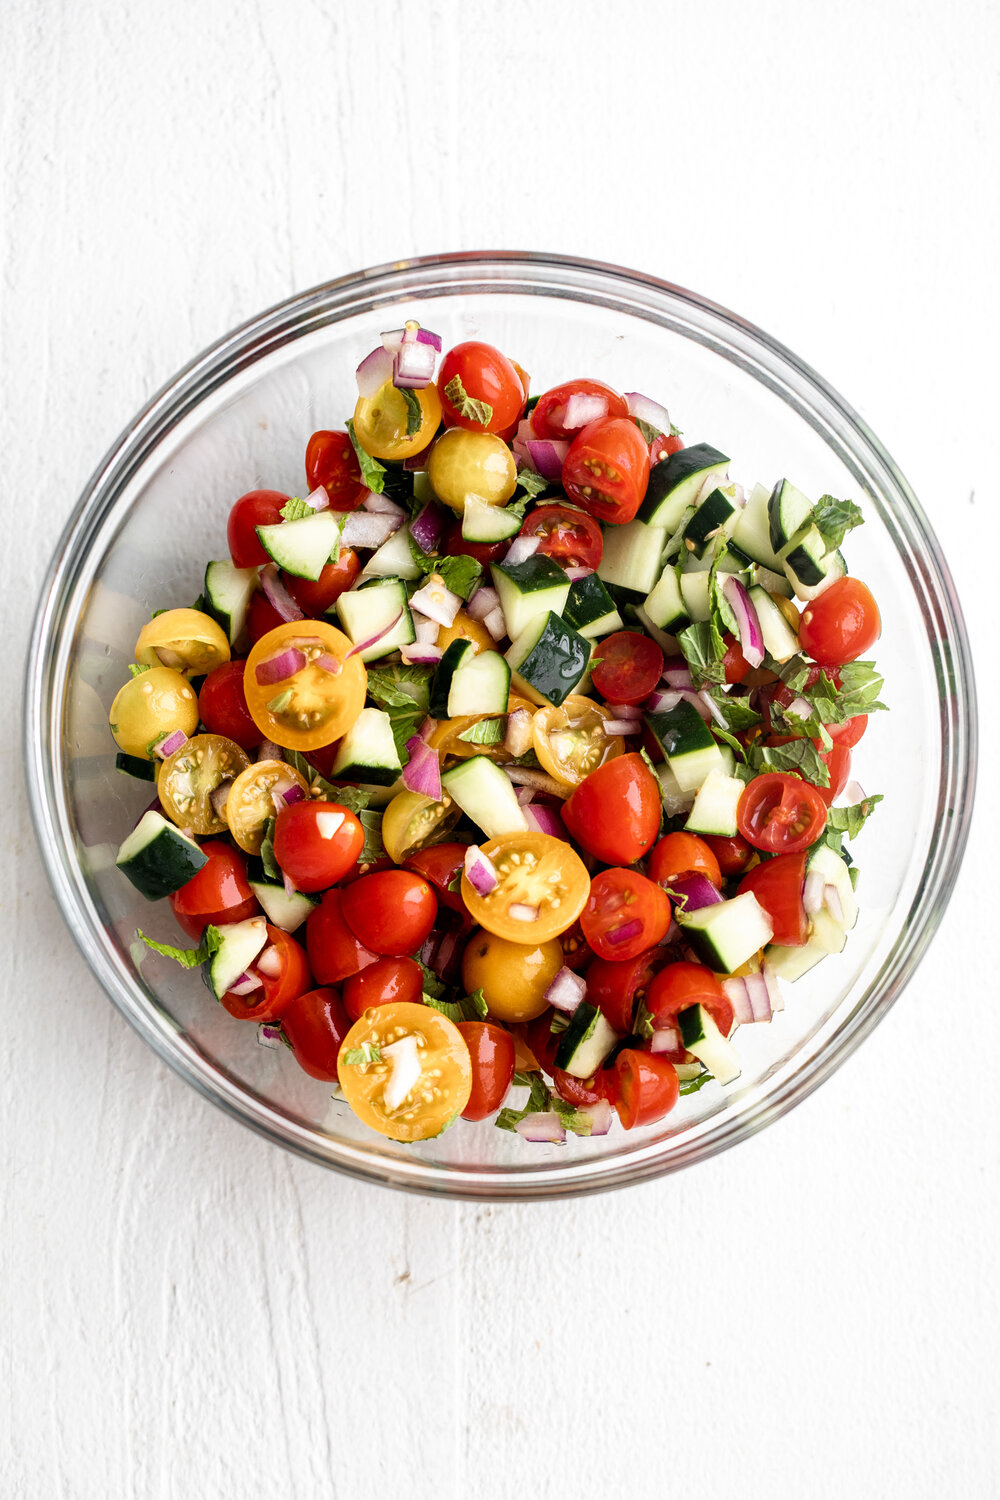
x=228 y=591
x=367 y=753
x=548 y=661
x=529 y=589
x=158 y=858
x=590 y=609
x=787 y=510
x=780 y=640
x=687 y=742
x=240 y=944
x=365 y=611
x=715 y=805
x=585 y=1043
x=725 y=935
x=632 y=555
x=701 y=1036
x=485 y=795
x=394 y=559
x=488 y=523
x=281 y=908
x=751 y=534
x=303 y=547
x=675 y=482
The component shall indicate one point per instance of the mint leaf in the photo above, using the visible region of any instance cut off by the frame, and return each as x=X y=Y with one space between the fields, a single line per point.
x=372 y=472
x=531 y=483
x=135 y=669
x=692 y=1085
x=460 y=574
x=466 y=405
x=703 y=651
x=731 y=740
x=649 y=432
x=295 y=509
x=576 y=1120
x=469 y=1008
x=851 y=820
x=358 y=1057
x=400 y=686
x=271 y=867
x=404 y=723
x=538 y=1101
x=188 y=958
x=833 y=519
x=485 y=732
x=736 y=711
x=371 y=821
x=432 y=985
x=798 y=755
x=675 y=431
x=860 y=685
x=414 y=411
x=643 y=1022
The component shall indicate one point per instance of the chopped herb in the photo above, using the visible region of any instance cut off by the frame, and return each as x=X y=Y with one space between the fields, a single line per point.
x=358 y=1057
x=455 y=883
x=372 y=472
x=371 y=821
x=271 y=867
x=703 y=650
x=797 y=755
x=433 y=985
x=137 y=670
x=692 y=1085
x=523 y=1080
x=675 y=431
x=833 y=519
x=400 y=686
x=538 y=1101
x=736 y=711
x=414 y=411
x=576 y=1120
x=460 y=574
x=531 y=483
x=649 y=432
x=469 y=1008
x=485 y=732
x=851 y=820
x=280 y=702
x=643 y=1024
x=295 y=509
x=188 y=958
x=466 y=405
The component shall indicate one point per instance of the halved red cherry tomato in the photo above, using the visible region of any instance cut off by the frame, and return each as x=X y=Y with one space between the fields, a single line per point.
x=733 y=854
x=735 y=664
x=583 y=1092
x=332 y=464
x=219 y=893
x=679 y=854
x=316 y=596
x=255 y=508
x=678 y=986
x=662 y=447
x=391 y=912
x=548 y=416
x=607 y=469
x=262 y=617
x=850 y=732
x=283 y=978
x=316 y=1023
x=383 y=983
x=439 y=864
x=492 y=1052
x=780 y=814
x=615 y=812
x=777 y=883
x=838 y=764
x=570 y=537
x=628 y=667
x=222 y=706
x=334 y=952
x=616 y=985
x=542 y=1040
x=625 y=914
x=648 y=1087
x=841 y=625
x=484 y=552
x=577 y=952
x=487 y=376
x=315 y=843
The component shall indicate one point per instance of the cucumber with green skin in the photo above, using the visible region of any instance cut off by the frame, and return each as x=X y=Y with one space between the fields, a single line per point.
x=590 y=609
x=675 y=481
x=158 y=858
x=528 y=590
x=367 y=752
x=548 y=661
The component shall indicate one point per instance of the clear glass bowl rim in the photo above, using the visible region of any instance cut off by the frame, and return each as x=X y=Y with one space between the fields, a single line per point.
x=574 y=279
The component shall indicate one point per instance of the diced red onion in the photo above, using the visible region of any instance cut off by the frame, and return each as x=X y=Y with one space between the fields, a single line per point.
x=852 y=794
x=601 y=1115
x=760 y=1000
x=428 y=527
x=522 y=437
x=799 y=708
x=482 y=601
x=519 y=911
x=677 y=674
x=521 y=548
x=328 y=663
x=735 y=991
x=278 y=596
x=170 y=744
x=545 y=820
x=373 y=639
x=667 y=1039
x=421 y=654
x=496 y=623
x=411 y=334
x=748 y=630
x=692 y=892
x=268 y=750
x=812 y=892
x=566 y=991
x=525 y=795
x=422 y=772
x=774 y=989
x=413 y=366
x=542 y=1129
x=362 y=529
x=373 y=372
x=714 y=710
x=290 y=794
x=580 y=410
x=437 y=602
x=575 y=574
x=623 y=934
x=270 y=1035
x=646 y=410
x=480 y=871
x=519 y=731
x=381 y=505
x=290 y=887
x=219 y=797
x=280 y=667
x=709 y=485
x=269 y=962
x=662 y=702
x=834 y=905
x=246 y=984
x=427 y=728
x=546 y=456
x=622 y=726
x=318 y=500
x=624 y=710
x=417 y=462
x=427 y=630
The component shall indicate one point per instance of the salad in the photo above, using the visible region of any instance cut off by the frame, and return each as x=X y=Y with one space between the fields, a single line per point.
x=508 y=772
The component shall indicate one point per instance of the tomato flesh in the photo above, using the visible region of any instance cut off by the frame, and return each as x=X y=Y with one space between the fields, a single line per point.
x=615 y=813
x=332 y=465
x=607 y=469
x=548 y=419
x=220 y=892
x=780 y=814
x=315 y=596
x=491 y=1050
x=290 y=978
x=569 y=537
x=315 y=1024
x=648 y=1087
x=616 y=985
x=625 y=914
x=680 y=854
x=777 y=883
x=680 y=985
x=628 y=667
x=383 y=983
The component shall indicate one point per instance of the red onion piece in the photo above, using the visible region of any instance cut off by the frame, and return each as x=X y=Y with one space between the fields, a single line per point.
x=736 y=993
x=760 y=1002
x=667 y=1039
x=482 y=601
x=427 y=728
x=437 y=602
x=269 y=962
x=381 y=505
x=373 y=639
x=677 y=674
x=318 y=500
x=328 y=663
x=496 y=623
x=542 y=1129
x=812 y=893
x=520 y=911
x=525 y=795
x=834 y=905
x=170 y=744
x=428 y=527
x=519 y=731
x=270 y=1035
x=522 y=437
x=774 y=989
x=540 y=781
x=691 y=892
x=545 y=820
x=421 y=654
x=566 y=991
x=748 y=630
x=624 y=710
x=581 y=410
x=373 y=372
x=546 y=456
x=168 y=658
x=852 y=794
x=246 y=984
x=648 y=411
x=480 y=871
x=362 y=529
x=392 y=339
x=290 y=794
x=413 y=366
x=290 y=887
x=420 y=335
x=427 y=630
x=575 y=574
x=280 y=667
x=601 y=1115
x=623 y=934
x=268 y=750
x=277 y=595
x=422 y=772
x=521 y=548
x=622 y=726
x=219 y=797
x=663 y=702
x=714 y=711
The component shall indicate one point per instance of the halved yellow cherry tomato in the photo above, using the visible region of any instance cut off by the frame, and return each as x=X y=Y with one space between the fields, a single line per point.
x=447 y=735
x=381 y=422
x=185 y=639
x=570 y=740
x=464 y=627
x=411 y=821
x=150 y=706
x=512 y=976
x=314 y=705
x=789 y=610
x=402 y=1046
x=251 y=800
x=186 y=780
x=478 y=464
x=542 y=888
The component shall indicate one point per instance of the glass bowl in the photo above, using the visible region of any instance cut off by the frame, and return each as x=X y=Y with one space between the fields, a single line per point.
x=236 y=419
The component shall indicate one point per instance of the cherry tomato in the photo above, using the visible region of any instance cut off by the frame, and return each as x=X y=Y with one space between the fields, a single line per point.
x=187 y=640
x=542 y=1040
x=283 y=971
x=583 y=1092
x=491 y=1050
x=222 y=706
x=577 y=952
x=678 y=986
x=332 y=465
x=548 y=416
x=616 y=985
x=780 y=814
x=383 y=983
x=150 y=706
x=777 y=884
x=680 y=854
x=615 y=813
x=390 y=912
x=334 y=952
x=628 y=667
x=648 y=1087
x=662 y=447
x=483 y=552
x=607 y=469
x=321 y=694
x=512 y=976
x=412 y=821
x=315 y=843
x=486 y=375
x=438 y=865
x=735 y=664
x=186 y=781
x=262 y=617
x=316 y=597
x=316 y=1023
x=625 y=914
x=841 y=625
x=379 y=1048
x=382 y=422
x=220 y=892
x=250 y=804
x=542 y=888
x=570 y=537
x=571 y=741
x=255 y=508
x=733 y=854
x=848 y=733
x=838 y=764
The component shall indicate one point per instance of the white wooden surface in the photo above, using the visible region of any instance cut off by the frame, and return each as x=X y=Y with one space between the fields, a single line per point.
x=189 y=1312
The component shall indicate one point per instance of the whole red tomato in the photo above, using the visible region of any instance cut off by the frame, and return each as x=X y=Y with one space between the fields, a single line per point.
x=678 y=986
x=486 y=376
x=607 y=469
x=316 y=843
x=315 y=1024
x=222 y=706
x=390 y=912
x=777 y=883
x=648 y=1087
x=680 y=854
x=218 y=894
x=255 y=508
x=332 y=465
x=382 y=983
x=334 y=952
x=615 y=811
x=439 y=864
x=841 y=625
x=316 y=596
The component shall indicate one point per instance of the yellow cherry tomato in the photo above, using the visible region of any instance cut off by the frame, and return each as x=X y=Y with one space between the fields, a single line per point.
x=381 y=422
x=512 y=976
x=150 y=706
x=186 y=780
x=185 y=639
x=411 y=821
x=789 y=610
x=405 y=1071
x=542 y=888
x=323 y=693
x=570 y=741
x=465 y=628
x=464 y=463
x=251 y=800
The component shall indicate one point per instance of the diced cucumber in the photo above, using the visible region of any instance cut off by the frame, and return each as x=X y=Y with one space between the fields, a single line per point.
x=725 y=935
x=158 y=858
x=665 y=606
x=281 y=908
x=585 y=1043
x=827 y=933
x=632 y=553
x=714 y=809
x=791 y=963
x=780 y=640
x=787 y=510
x=548 y=661
x=752 y=530
x=701 y=1036
x=133 y=765
x=480 y=685
x=488 y=523
x=675 y=800
x=228 y=592
x=716 y=516
x=808 y=566
x=674 y=484
x=459 y=651
x=394 y=559
x=590 y=609
x=824 y=864
x=687 y=742
x=529 y=589
x=696 y=594
x=365 y=611
x=485 y=795
x=240 y=944
x=368 y=752
x=303 y=547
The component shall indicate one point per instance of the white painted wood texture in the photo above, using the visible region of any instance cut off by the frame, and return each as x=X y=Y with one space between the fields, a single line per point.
x=189 y=1312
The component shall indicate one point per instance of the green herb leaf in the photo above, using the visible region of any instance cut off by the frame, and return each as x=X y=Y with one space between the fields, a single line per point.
x=400 y=686
x=371 y=821
x=649 y=432
x=736 y=711
x=485 y=732
x=643 y=1023
x=414 y=411
x=432 y=985
x=573 y=1119
x=460 y=574
x=136 y=670
x=703 y=651
x=692 y=1085
x=731 y=741
x=523 y=1080
x=358 y=1057
x=860 y=685
x=797 y=755
x=295 y=509
x=833 y=519
x=188 y=958
x=372 y=472
x=538 y=1101
x=851 y=820
x=455 y=883
x=469 y=1008
x=466 y=405
x=675 y=431
x=531 y=483
x=271 y=867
